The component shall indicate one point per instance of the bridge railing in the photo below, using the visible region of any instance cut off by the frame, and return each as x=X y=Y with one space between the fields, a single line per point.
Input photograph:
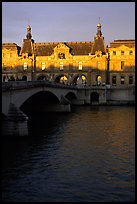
x=11 y=85
x=28 y=84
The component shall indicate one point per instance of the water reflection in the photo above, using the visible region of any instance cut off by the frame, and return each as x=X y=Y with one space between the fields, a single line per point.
x=84 y=156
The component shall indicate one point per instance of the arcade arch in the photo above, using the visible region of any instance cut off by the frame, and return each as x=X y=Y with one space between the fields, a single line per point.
x=42 y=77
x=63 y=79
x=79 y=79
x=94 y=98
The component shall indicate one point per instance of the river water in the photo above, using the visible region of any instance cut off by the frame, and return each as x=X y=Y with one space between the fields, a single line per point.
x=87 y=155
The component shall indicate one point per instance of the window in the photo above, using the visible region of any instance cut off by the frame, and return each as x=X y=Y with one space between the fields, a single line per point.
x=122 y=52
x=122 y=65
x=3 y=54
x=130 y=52
x=114 y=80
x=98 y=65
x=25 y=65
x=114 y=52
x=43 y=65
x=61 y=65
x=122 y=80
x=10 y=54
x=130 y=79
x=80 y=66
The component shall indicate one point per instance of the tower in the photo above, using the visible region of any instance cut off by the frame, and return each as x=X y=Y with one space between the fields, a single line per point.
x=28 y=36
x=98 y=44
x=27 y=46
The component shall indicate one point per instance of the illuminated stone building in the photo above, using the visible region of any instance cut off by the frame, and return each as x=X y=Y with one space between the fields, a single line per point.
x=89 y=63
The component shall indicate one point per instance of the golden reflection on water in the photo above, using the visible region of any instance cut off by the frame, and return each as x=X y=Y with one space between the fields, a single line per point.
x=108 y=131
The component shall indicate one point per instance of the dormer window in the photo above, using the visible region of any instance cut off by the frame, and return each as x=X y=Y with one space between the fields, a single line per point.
x=122 y=52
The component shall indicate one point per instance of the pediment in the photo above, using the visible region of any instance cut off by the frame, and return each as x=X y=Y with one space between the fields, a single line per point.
x=61 y=47
x=62 y=51
x=123 y=47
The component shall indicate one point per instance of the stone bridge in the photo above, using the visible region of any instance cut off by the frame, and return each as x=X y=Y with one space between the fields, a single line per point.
x=19 y=98
x=48 y=96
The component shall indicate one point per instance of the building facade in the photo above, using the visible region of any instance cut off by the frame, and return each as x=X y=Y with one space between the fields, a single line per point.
x=89 y=63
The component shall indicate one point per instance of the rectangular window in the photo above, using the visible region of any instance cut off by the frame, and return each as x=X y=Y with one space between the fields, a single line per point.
x=122 y=52
x=122 y=80
x=122 y=65
x=130 y=79
x=130 y=52
x=114 y=80
x=10 y=54
x=3 y=54
x=25 y=65
x=80 y=66
x=61 y=65
x=98 y=65
x=114 y=52
x=43 y=65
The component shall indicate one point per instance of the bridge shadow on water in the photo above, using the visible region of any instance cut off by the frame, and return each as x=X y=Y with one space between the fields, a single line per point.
x=44 y=124
x=43 y=128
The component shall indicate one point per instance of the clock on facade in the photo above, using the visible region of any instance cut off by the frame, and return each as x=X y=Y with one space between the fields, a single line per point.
x=61 y=55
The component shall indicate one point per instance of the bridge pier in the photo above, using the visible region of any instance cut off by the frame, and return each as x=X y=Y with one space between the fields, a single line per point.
x=15 y=123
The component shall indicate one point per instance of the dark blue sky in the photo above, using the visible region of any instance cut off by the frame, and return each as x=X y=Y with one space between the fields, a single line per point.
x=67 y=21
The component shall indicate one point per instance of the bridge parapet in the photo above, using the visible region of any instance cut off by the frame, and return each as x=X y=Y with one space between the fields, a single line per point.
x=28 y=84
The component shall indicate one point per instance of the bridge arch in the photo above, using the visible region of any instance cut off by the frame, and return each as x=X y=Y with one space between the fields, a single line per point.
x=24 y=78
x=40 y=101
x=94 y=98
x=71 y=97
x=22 y=91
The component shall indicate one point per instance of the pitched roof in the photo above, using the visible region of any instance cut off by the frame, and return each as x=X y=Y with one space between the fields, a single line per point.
x=11 y=46
x=44 y=49
x=98 y=45
x=117 y=43
x=80 y=48
x=27 y=46
x=76 y=48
